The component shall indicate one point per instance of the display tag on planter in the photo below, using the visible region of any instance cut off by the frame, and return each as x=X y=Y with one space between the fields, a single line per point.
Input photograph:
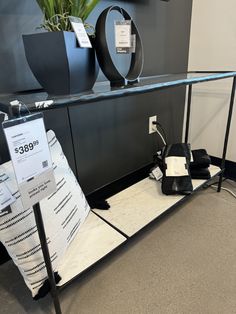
x=6 y=199
x=31 y=158
x=80 y=32
x=123 y=40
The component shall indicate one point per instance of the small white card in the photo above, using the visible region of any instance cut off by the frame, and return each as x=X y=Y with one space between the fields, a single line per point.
x=37 y=189
x=80 y=32
x=157 y=174
x=6 y=198
x=123 y=41
x=176 y=166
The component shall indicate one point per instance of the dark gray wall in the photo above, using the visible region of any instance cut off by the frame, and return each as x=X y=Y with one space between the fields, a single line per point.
x=110 y=137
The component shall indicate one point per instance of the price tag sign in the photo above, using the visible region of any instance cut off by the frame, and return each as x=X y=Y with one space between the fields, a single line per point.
x=80 y=32
x=6 y=199
x=157 y=174
x=30 y=155
x=123 y=39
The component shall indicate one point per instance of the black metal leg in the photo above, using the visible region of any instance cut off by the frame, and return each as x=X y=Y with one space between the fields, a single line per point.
x=188 y=113
x=46 y=255
x=227 y=133
x=73 y=144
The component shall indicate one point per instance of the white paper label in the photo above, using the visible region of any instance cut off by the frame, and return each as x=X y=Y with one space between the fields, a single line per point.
x=80 y=32
x=6 y=198
x=31 y=159
x=123 y=36
x=29 y=149
x=157 y=173
x=176 y=166
x=37 y=189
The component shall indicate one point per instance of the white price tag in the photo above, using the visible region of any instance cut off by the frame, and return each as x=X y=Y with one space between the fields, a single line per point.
x=28 y=148
x=40 y=187
x=157 y=174
x=80 y=32
x=123 y=36
x=176 y=166
x=30 y=155
x=6 y=199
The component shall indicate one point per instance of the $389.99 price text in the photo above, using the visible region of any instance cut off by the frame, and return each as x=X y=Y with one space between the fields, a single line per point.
x=26 y=148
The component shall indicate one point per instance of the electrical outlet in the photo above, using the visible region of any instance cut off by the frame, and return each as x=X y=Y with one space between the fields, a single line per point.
x=152 y=126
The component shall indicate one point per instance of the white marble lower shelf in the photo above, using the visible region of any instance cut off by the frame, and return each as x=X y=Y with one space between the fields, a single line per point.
x=135 y=207
x=94 y=240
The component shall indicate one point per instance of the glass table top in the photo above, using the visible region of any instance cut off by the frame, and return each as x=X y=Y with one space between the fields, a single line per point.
x=102 y=90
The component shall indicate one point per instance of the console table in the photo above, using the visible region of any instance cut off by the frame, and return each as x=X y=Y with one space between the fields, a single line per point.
x=138 y=205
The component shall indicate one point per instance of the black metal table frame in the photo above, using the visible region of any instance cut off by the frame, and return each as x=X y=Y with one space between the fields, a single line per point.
x=37 y=210
x=228 y=124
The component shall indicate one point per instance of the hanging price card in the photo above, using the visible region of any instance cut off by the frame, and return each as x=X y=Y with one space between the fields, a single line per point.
x=80 y=32
x=31 y=159
x=123 y=36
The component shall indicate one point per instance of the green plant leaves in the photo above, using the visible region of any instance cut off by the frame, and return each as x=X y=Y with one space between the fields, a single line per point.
x=57 y=12
x=88 y=8
x=47 y=6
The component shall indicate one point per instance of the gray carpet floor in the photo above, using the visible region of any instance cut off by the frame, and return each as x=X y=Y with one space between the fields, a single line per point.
x=183 y=264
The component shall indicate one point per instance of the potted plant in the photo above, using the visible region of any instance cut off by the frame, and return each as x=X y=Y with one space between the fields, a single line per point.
x=55 y=58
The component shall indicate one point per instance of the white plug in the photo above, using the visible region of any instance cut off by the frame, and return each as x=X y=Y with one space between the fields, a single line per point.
x=152 y=127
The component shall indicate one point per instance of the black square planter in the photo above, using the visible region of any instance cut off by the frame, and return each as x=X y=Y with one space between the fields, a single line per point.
x=59 y=64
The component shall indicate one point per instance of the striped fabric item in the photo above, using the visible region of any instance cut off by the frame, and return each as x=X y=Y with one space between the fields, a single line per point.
x=63 y=213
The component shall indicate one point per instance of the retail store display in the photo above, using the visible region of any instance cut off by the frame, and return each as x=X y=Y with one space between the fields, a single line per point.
x=198 y=166
x=104 y=56
x=195 y=165
x=63 y=213
x=137 y=206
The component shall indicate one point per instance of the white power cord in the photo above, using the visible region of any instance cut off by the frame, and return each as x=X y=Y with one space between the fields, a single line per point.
x=161 y=136
x=225 y=189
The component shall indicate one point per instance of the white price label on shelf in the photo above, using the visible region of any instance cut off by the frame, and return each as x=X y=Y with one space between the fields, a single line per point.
x=80 y=32
x=31 y=158
x=123 y=41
